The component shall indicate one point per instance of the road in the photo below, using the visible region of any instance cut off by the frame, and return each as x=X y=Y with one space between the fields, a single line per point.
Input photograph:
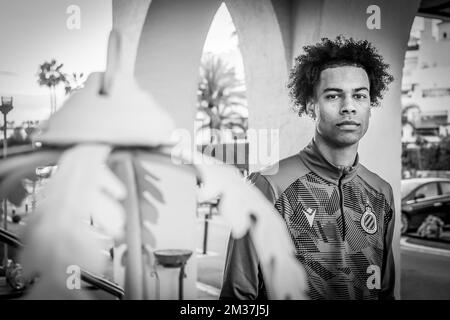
x=425 y=275
x=425 y=271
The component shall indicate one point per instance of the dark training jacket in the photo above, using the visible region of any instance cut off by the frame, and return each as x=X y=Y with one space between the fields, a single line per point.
x=341 y=221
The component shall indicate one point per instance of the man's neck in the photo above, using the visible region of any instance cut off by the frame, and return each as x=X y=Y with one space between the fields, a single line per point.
x=339 y=156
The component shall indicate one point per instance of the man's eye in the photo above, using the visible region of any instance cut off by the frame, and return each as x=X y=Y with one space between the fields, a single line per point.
x=360 y=96
x=331 y=96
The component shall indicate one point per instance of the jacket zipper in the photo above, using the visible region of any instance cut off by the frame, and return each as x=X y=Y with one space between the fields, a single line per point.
x=341 y=203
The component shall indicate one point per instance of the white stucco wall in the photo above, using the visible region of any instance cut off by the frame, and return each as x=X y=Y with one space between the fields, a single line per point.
x=129 y=17
x=266 y=72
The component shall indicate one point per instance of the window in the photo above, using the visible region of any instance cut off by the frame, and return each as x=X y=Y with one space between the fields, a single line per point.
x=445 y=188
x=437 y=92
x=428 y=190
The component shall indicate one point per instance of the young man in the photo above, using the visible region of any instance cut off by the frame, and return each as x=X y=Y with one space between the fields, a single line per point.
x=340 y=215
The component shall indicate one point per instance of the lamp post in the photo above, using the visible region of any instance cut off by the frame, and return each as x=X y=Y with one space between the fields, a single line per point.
x=5 y=108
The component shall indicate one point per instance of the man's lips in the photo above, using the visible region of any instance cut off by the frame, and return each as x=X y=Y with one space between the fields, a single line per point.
x=348 y=123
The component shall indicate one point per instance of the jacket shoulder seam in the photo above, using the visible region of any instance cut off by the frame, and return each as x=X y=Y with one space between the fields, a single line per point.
x=289 y=170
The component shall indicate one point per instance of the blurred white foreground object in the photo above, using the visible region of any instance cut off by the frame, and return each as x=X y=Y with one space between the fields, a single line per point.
x=122 y=189
x=245 y=207
x=58 y=239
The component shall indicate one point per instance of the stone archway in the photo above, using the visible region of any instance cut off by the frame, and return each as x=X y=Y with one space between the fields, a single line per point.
x=167 y=57
x=263 y=47
x=272 y=33
x=167 y=44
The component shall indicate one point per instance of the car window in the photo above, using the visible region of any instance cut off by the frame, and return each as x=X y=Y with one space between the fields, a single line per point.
x=407 y=186
x=445 y=187
x=429 y=190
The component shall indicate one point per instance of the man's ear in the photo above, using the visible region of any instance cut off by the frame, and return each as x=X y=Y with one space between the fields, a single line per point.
x=310 y=109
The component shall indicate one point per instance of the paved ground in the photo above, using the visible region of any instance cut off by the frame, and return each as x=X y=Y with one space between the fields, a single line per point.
x=210 y=266
x=425 y=269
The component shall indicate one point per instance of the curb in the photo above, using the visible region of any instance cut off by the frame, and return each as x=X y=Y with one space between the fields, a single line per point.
x=210 y=290
x=423 y=249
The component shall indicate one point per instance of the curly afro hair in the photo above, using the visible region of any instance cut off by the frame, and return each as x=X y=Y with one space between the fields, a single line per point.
x=305 y=74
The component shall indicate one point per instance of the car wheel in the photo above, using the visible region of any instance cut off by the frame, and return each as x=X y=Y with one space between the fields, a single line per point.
x=405 y=223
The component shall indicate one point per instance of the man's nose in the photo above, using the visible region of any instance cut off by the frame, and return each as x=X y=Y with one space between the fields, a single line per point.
x=348 y=105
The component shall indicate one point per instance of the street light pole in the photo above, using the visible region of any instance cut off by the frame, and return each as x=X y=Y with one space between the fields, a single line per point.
x=5 y=142
x=5 y=107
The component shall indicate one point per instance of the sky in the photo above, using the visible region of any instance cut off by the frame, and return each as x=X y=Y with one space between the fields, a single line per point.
x=36 y=31
x=219 y=37
x=221 y=42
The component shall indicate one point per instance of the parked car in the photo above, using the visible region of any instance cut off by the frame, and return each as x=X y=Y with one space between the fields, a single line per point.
x=422 y=197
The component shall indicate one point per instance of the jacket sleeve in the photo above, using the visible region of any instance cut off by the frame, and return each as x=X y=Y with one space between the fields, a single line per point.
x=388 y=270
x=242 y=279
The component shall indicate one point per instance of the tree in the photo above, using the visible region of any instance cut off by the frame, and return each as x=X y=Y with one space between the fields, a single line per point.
x=50 y=75
x=427 y=156
x=408 y=117
x=219 y=93
x=443 y=154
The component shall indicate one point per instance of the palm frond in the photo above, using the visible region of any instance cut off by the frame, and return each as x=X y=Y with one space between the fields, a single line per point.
x=146 y=184
x=204 y=126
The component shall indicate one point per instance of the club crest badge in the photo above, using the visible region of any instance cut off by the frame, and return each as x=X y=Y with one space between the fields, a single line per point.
x=369 y=221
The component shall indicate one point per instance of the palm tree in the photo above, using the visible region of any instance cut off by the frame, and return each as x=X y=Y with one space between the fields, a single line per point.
x=50 y=75
x=219 y=93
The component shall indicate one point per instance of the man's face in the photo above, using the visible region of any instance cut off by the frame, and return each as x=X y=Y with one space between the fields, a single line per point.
x=342 y=105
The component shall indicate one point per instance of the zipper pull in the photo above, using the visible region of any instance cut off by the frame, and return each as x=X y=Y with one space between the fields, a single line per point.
x=341 y=194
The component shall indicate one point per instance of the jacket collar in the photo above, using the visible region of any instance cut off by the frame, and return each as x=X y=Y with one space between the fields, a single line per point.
x=316 y=162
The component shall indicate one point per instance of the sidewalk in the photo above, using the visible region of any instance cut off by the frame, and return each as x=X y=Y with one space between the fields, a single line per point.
x=210 y=266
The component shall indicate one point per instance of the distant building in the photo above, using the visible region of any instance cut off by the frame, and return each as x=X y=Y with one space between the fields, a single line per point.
x=426 y=78
x=408 y=134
